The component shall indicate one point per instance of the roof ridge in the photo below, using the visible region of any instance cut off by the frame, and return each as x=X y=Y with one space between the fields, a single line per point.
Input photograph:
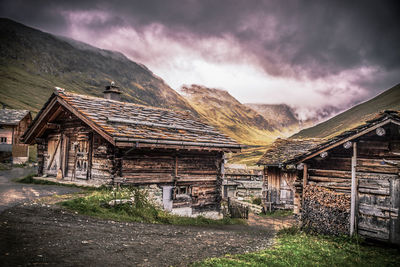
x=185 y=113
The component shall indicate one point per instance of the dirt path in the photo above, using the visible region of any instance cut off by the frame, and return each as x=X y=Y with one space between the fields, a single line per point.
x=12 y=193
x=276 y=223
x=42 y=234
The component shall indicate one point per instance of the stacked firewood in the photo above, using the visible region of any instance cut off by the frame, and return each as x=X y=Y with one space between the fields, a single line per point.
x=325 y=211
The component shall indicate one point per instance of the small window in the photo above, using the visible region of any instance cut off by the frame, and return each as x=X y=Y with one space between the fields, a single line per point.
x=3 y=140
x=183 y=190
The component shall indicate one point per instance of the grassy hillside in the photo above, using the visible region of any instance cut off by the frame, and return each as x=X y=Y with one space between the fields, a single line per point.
x=224 y=112
x=389 y=99
x=249 y=155
x=32 y=63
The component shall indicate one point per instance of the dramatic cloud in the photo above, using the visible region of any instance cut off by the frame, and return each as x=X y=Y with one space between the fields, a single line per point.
x=318 y=56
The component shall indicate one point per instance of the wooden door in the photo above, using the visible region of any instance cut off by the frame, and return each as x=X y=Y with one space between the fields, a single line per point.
x=82 y=157
x=394 y=213
x=167 y=197
x=378 y=206
x=53 y=156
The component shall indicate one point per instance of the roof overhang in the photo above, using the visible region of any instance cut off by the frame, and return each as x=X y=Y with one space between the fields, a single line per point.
x=159 y=143
x=33 y=129
x=330 y=145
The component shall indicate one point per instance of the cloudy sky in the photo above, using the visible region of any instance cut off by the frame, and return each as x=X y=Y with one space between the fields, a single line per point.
x=318 y=56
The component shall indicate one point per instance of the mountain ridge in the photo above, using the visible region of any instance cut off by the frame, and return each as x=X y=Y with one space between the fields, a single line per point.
x=34 y=61
x=389 y=99
x=226 y=113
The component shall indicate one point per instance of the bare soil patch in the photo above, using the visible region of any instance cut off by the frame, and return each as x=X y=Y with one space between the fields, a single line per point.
x=44 y=234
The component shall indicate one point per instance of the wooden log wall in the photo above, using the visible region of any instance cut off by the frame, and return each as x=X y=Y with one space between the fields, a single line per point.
x=199 y=172
x=75 y=135
x=20 y=129
x=377 y=204
x=102 y=159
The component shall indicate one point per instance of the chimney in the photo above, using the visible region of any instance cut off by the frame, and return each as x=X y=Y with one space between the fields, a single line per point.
x=112 y=92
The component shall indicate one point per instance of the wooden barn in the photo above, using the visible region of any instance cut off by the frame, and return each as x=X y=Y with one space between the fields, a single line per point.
x=350 y=183
x=13 y=123
x=179 y=159
x=279 y=178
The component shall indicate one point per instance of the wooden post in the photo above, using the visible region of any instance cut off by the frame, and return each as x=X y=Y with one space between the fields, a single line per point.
x=305 y=180
x=176 y=167
x=353 y=189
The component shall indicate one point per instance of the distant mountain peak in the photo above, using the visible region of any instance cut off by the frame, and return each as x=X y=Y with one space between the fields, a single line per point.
x=226 y=113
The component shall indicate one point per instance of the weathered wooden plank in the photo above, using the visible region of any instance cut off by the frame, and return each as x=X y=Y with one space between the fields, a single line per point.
x=394 y=219
x=330 y=173
x=383 y=191
x=377 y=211
x=375 y=184
x=328 y=179
x=373 y=233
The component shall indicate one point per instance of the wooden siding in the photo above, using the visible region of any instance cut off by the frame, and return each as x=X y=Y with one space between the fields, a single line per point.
x=198 y=171
x=378 y=181
x=80 y=153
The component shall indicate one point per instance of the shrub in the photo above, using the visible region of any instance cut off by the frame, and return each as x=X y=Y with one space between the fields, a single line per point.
x=257 y=201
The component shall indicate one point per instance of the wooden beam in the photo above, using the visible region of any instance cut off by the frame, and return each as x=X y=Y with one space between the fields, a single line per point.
x=305 y=180
x=349 y=139
x=31 y=130
x=353 y=189
x=176 y=166
x=56 y=113
x=51 y=125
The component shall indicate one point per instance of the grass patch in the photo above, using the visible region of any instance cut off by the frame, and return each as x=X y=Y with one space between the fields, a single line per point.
x=277 y=213
x=5 y=167
x=295 y=248
x=142 y=210
x=29 y=179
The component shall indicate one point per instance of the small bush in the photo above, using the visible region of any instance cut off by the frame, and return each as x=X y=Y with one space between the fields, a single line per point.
x=257 y=201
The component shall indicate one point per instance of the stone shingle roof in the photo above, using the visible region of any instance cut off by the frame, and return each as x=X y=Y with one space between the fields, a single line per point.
x=289 y=151
x=127 y=122
x=283 y=150
x=382 y=117
x=12 y=116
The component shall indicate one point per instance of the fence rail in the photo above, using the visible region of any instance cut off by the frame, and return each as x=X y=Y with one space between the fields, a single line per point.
x=237 y=210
